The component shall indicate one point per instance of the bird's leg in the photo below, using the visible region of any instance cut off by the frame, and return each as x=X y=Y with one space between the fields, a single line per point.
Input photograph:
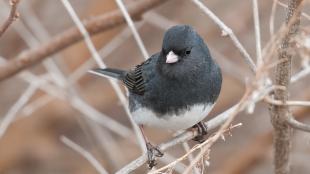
x=152 y=151
x=202 y=131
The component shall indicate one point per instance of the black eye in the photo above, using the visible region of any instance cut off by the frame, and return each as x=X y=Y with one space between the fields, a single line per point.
x=187 y=52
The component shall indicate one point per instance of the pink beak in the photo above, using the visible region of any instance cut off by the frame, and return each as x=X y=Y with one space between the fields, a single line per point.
x=171 y=57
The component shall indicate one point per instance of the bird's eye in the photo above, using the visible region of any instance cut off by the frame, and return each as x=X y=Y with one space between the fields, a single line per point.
x=187 y=52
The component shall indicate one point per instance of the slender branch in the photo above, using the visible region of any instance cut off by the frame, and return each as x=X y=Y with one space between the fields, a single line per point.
x=87 y=155
x=11 y=114
x=69 y=37
x=190 y=157
x=12 y=17
x=298 y=125
x=40 y=34
x=286 y=103
x=227 y=31
x=131 y=25
x=272 y=17
x=257 y=33
x=301 y=74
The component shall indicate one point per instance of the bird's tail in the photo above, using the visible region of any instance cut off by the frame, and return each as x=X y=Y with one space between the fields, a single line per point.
x=109 y=72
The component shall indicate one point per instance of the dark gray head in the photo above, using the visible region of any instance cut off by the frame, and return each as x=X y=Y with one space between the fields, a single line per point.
x=183 y=52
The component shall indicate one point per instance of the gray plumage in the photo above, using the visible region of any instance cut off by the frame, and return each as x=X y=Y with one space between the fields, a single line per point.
x=172 y=88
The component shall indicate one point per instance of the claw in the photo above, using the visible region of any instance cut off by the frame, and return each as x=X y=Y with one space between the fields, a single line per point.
x=152 y=152
x=202 y=131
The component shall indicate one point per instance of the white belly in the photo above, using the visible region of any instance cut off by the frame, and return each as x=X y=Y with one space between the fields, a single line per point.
x=172 y=122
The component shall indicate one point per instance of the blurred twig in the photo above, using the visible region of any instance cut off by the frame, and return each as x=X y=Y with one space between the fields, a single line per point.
x=12 y=17
x=131 y=25
x=272 y=101
x=9 y=117
x=85 y=154
x=95 y=25
x=272 y=17
x=259 y=59
x=227 y=31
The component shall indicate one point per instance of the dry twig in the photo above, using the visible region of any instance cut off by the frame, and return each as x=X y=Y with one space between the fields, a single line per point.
x=12 y=17
x=227 y=31
x=85 y=154
x=257 y=33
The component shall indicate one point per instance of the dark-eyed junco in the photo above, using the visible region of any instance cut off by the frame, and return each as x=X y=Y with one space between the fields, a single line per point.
x=174 y=89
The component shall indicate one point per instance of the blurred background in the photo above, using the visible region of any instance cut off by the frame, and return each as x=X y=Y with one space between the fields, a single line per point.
x=80 y=105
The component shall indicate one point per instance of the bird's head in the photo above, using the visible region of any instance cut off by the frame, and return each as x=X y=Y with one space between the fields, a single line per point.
x=183 y=52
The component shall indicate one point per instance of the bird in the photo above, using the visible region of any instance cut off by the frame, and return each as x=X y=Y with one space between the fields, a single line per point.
x=174 y=89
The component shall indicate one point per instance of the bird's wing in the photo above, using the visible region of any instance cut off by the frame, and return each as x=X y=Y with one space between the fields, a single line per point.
x=134 y=80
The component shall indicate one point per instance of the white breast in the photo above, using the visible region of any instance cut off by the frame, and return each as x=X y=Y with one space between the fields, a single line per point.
x=172 y=122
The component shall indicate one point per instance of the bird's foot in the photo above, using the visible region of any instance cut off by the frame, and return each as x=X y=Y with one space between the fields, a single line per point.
x=202 y=131
x=152 y=152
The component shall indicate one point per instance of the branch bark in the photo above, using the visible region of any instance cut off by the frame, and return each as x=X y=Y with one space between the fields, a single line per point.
x=69 y=37
x=280 y=114
x=12 y=17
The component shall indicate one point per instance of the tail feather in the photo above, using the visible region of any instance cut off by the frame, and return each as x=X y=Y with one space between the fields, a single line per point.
x=110 y=72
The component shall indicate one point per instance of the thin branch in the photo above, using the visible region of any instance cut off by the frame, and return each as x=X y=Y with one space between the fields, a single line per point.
x=286 y=103
x=12 y=17
x=298 y=125
x=65 y=39
x=167 y=158
x=272 y=17
x=36 y=104
x=257 y=33
x=88 y=156
x=20 y=103
x=131 y=25
x=40 y=34
x=227 y=31
x=190 y=157
x=301 y=74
